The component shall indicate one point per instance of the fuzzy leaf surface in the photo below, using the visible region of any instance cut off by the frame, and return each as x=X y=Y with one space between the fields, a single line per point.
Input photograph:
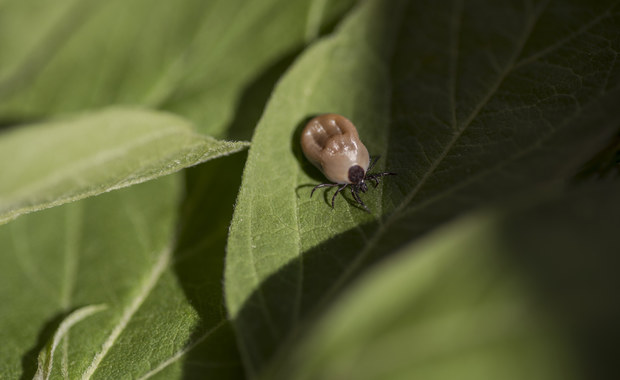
x=49 y=164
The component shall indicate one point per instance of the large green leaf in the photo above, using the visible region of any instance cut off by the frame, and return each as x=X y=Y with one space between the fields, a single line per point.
x=118 y=250
x=213 y=63
x=205 y=60
x=467 y=101
x=518 y=293
x=52 y=163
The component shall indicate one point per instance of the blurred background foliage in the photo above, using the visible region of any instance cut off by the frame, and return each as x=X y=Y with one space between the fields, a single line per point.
x=493 y=255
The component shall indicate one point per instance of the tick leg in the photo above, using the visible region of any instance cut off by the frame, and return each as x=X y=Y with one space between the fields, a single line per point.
x=376 y=176
x=373 y=161
x=356 y=196
x=323 y=185
x=337 y=191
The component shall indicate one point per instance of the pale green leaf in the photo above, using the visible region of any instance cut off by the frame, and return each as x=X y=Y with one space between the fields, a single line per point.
x=52 y=163
x=468 y=102
x=527 y=292
x=213 y=62
x=118 y=249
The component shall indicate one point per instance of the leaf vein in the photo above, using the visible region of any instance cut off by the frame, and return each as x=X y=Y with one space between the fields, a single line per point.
x=399 y=211
x=558 y=44
x=149 y=284
x=185 y=350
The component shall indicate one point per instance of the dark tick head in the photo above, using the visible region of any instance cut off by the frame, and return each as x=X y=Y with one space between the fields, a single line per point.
x=356 y=174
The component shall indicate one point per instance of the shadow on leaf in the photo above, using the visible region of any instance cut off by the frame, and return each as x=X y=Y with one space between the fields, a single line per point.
x=29 y=360
x=199 y=264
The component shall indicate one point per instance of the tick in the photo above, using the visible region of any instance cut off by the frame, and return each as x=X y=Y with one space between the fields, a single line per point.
x=331 y=143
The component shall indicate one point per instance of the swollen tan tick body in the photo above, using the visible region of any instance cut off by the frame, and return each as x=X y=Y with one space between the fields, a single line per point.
x=331 y=143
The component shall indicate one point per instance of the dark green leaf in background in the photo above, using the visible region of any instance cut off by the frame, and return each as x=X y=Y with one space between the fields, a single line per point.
x=467 y=101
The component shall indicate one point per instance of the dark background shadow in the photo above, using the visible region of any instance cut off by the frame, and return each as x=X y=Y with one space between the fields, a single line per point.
x=199 y=263
x=13 y=123
x=571 y=259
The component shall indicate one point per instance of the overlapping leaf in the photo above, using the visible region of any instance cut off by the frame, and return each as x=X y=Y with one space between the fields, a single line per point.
x=115 y=250
x=53 y=163
x=519 y=292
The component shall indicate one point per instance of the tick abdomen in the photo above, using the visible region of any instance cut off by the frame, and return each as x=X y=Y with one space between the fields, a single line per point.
x=332 y=144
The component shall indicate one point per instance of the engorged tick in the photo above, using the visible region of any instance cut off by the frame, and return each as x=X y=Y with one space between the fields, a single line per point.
x=331 y=143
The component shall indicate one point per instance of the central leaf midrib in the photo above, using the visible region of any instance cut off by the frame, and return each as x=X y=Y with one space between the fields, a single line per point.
x=400 y=209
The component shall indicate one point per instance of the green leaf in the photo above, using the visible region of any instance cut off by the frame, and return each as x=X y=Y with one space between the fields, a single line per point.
x=46 y=357
x=117 y=249
x=211 y=62
x=469 y=102
x=52 y=163
x=518 y=293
